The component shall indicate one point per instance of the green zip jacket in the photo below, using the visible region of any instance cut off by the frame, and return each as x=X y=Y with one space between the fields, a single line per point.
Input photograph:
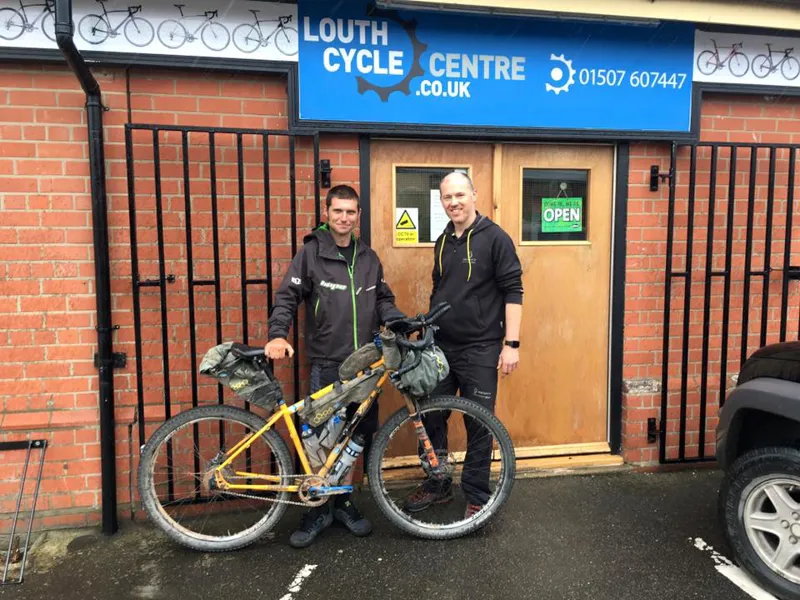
x=345 y=303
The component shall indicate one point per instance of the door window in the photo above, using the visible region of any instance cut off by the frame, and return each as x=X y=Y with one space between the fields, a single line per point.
x=555 y=205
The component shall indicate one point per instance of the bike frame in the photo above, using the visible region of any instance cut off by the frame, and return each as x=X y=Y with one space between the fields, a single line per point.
x=47 y=7
x=207 y=17
x=734 y=49
x=286 y=412
x=129 y=10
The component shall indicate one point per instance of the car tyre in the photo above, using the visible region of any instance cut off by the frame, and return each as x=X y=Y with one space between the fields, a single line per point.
x=747 y=491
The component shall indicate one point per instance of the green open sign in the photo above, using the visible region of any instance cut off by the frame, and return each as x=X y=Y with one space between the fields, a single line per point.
x=560 y=215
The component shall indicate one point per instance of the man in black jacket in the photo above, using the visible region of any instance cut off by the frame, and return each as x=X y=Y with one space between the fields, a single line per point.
x=340 y=280
x=477 y=271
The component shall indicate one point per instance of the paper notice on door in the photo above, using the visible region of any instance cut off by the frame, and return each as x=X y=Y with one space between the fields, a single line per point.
x=439 y=217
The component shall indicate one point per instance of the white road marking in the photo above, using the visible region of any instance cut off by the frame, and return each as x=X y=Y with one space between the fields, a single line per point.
x=294 y=587
x=734 y=574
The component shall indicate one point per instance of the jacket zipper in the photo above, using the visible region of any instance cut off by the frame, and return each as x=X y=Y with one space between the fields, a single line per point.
x=350 y=270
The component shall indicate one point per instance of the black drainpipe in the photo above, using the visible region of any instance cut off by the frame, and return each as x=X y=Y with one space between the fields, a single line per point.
x=97 y=171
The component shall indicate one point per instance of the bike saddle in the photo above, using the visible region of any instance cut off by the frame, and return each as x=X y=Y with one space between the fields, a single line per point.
x=255 y=11
x=175 y=5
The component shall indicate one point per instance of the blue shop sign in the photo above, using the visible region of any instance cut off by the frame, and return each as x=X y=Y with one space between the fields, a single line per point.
x=360 y=63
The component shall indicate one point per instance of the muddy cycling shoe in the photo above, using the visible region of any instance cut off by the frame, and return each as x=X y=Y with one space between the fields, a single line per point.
x=430 y=493
x=314 y=522
x=348 y=515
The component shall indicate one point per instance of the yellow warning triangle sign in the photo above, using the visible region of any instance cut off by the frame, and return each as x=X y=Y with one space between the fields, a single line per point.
x=405 y=222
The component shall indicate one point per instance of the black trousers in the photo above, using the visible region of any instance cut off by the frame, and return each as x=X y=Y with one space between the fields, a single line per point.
x=473 y=373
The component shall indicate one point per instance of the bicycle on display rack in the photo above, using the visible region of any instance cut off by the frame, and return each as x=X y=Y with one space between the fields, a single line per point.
x=247 y=37
x=13 y=22
x=214 y=35
x=96 y=29
x=710 y=61
x=217 y=477
x=789 y=66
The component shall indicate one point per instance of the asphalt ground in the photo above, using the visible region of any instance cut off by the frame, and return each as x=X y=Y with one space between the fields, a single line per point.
x=618 y=535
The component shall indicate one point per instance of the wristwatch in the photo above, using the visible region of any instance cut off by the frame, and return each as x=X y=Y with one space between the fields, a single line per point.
x=511 y=344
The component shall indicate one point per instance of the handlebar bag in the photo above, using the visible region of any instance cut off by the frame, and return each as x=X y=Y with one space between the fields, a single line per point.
x=430 y=372
x=249 y=381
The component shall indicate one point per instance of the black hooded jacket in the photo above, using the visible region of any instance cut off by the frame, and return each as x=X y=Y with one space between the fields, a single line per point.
x=477 y=274
x=345 y=302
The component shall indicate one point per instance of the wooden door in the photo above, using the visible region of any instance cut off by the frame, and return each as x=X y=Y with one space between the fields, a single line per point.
x=557 y=401
x=408 y=268
x=559 y=396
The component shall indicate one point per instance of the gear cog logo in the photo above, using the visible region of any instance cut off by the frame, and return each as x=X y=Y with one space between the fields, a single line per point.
x=410 y=27
x=557 y=75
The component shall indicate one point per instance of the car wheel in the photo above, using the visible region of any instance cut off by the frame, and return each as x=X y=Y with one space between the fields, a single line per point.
x=759 y=506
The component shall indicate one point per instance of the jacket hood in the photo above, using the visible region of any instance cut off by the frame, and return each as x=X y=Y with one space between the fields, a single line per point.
x=327 y=247
x=481 y=222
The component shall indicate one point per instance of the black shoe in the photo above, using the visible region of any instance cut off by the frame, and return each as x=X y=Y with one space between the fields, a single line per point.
x=346 y=513
x=428 y=494
x=314 y=522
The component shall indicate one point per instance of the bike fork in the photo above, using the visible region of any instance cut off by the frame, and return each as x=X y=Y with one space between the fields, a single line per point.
x=422 y=435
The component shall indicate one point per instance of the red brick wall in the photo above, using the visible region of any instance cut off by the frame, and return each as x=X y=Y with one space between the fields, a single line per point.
x=740 y=119
x=48 y=384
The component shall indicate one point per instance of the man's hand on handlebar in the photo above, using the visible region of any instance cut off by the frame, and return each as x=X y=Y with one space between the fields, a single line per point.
x=278 y=348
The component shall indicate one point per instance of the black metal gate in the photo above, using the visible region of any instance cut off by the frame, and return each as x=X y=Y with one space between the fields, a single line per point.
x=214 y=221
x=730 y=268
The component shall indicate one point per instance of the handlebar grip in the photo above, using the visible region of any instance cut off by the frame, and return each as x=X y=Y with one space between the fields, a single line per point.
x=437 y=311
x=419 y=344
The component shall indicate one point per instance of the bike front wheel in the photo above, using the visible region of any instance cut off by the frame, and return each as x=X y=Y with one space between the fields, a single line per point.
x=738 y=64
x=216 y=37
x=175 y=481
x=49 y=26
x=790 y=68
x=139 y=32
x=477 y=468
x=286 y=40
x=93 y=29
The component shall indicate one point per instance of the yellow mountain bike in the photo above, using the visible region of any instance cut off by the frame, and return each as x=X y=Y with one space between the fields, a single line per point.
x=217 y=478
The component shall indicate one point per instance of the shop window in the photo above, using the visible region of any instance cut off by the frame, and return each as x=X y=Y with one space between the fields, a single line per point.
x=419 y=216
x=554 y=205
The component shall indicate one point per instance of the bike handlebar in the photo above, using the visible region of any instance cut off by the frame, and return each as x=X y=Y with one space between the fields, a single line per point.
x=213 y=13
x=412 y=324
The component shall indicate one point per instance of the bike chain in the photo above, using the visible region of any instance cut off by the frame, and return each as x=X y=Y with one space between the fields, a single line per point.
x=275 y=501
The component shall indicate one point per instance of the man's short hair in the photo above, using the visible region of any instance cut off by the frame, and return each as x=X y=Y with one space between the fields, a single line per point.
x=462 y=174
x=343 y=192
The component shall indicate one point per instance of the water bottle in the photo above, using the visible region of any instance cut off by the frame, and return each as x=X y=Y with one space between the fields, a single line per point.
x=331 y=430
x=349 y=456
x=316 y=453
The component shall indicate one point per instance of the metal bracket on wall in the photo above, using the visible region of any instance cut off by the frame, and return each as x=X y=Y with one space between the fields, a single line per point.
x=15 y=556
x=120 y=360
x=325 y=173
x=656 y=176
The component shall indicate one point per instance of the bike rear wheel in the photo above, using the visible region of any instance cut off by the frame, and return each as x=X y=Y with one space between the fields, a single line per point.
x=398 y=477
x=708 y=62
x=174 y=479
x=246 y=38
x=93 y=29
x=172 y=34
x=12 y=24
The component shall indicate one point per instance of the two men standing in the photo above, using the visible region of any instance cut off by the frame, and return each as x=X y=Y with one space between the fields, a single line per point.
x=476 y=270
